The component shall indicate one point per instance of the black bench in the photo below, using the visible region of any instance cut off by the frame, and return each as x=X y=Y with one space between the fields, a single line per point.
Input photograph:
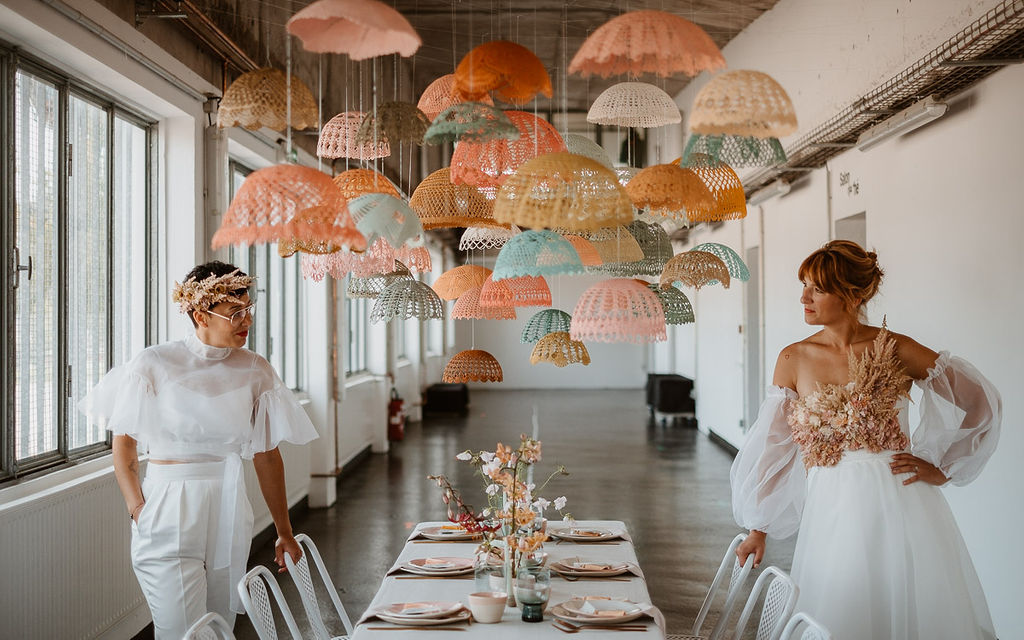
x=447 y=398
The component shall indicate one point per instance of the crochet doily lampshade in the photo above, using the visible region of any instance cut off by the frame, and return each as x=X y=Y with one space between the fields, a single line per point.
x=373 y=286
x=360 y=28
x=656 y=247
x=725 y=186
x=259 y=99
x=618 y=310
x=584 y=146
x=527 y=291
x=616 y=244
x=379 y=258
x=563 y=190
x=510 y=70
x=338 y=139
x=743 y=103
x=560 y=350
x=489 y=164
x=536 y=253
x=438 y=96
x=440 y=204
x=485 y=238
x=269 y=199
x=695 y=269
x=634 y=104
x=406 y=299
x=385 y=216
x=395 y=122
x=639 y=42
x=544 y=322
x=359 y=182
x=323 y=229
x=468 y=307
x=737 y=151
x=670 y=191
x=733 y=262
x=585 y=249
x=470 y=122
x=454 y=282
x=678 y=309
x=473 y=365
x=416 y=258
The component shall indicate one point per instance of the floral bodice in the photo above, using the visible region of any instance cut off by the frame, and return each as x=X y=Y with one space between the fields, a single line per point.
x=861 y=414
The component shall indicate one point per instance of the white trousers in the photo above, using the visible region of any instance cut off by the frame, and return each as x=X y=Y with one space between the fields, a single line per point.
x=173 y=546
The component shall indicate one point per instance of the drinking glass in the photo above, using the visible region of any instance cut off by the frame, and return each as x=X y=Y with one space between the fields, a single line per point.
x=533 y=588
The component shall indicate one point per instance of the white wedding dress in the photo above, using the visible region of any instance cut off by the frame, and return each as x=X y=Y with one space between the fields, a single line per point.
x=876 y=558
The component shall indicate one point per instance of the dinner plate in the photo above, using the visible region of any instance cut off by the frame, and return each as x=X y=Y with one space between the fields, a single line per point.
x=455 y=535
x=460 y=616
x=570 y=611
x=584 y=534
x=420 y=610
x=439 y=566
x=577 y=567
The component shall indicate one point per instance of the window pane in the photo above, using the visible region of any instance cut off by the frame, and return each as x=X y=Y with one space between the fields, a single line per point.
x=130 y=181
x=275 y=302
x=36 y=226
x=290 y=284
x=261 y=318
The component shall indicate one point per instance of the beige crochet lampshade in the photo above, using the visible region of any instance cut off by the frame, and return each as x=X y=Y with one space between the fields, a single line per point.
x=634 y=104
x=670 y=191
x=453 y=283
x=259 y=99
x=473 y=365
x=639 y=42
x=743 y=103
x=359 y=182
x=695 y=269
x=510 y=70
x=618 y=310
x=725 y=186
x=586 y=250
x=441 y=204
x=359 y=28
x=616 y=244
x=560 y=350
x=475 y=238
x=489 y=164
x=525 y=291
x=563 y=190
x=468 y=307
x=395 y=122
x=338 y=139
x=439 y=95
x=373 y=286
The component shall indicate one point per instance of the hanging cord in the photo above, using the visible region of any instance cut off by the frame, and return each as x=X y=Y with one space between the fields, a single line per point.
x=376 y=124
x=288 y=97
x=320 y=105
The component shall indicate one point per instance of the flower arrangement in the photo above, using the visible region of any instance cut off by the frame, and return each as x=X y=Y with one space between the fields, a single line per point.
x=199 y=295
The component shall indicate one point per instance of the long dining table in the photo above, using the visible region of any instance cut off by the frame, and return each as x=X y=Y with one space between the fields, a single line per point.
x=398 y=587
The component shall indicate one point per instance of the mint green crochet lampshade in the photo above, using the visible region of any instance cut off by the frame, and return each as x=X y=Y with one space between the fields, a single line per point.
x=657 y=248
x=678 y=309
x=379 y=215
x=544 y=322
x=536 y=253
x=470 y=122
x=736 y=151
x=737 y=268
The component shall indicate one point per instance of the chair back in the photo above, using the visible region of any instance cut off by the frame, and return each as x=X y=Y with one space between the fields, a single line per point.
x=813 y=630
x=253 y=590
x=737 y=579
x=303 y=579
x=210 y=627
x=779 y=602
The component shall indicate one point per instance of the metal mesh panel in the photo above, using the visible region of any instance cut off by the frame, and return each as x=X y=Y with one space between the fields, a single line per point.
x=264 y=614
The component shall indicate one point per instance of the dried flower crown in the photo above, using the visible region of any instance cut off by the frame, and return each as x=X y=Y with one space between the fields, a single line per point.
x=200 y=295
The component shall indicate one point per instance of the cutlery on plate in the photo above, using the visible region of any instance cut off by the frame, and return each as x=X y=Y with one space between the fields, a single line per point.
x=591 y=579
x=415 y=628
x=569 y=627
x=460 y=577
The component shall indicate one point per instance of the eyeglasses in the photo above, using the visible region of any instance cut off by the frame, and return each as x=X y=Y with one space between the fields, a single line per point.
x=237 y=317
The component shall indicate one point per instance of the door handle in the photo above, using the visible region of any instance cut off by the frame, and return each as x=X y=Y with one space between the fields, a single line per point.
x=18 y=267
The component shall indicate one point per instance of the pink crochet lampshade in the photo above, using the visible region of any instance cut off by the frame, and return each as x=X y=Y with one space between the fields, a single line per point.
x=439 y=95
x=489 y=164
x=338 y=139
x=510 y=70
x=380 y=258
x=618 y=310
x=454 y=282
x=468 y=307
x=360 y=28
x=416 y=258
x=472 y=365
x=641 y=42
x=525 y=291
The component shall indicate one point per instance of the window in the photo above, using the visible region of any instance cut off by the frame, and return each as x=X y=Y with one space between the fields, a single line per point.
x=358 y=321
x=401 y=347
x=76 y=204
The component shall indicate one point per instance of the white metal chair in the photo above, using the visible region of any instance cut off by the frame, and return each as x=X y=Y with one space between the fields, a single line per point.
x=304 y=583
x=736 y=581
x=813 y=630
x=253 y=590
x=210 y=627
x=779 y=602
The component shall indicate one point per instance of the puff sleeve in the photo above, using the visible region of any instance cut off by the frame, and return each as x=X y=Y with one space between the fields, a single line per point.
x=277 y=418
x=768 y=477
x=960 y=416
x=124 y=401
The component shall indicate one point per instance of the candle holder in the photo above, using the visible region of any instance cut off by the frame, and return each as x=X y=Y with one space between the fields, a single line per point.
x=532 y=589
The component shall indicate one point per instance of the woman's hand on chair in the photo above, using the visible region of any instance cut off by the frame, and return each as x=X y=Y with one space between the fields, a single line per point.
x=286 y=544
x=754 y=544
x=920 y=470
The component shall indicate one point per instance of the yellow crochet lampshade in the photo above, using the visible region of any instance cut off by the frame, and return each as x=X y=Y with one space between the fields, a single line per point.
x=359 y=182
x=670 y=191
x=563 y=190
x=468 y=307
x=453 y=283
x=441 y=204
x=560 y=350
x=259 y=99
x=338 y=139
x=695 y=269
x=439 y=95
x=743 y=103
x=473 y=365
x=395 y=122
x=616 y=244
x=725 y=186
x=634 y=104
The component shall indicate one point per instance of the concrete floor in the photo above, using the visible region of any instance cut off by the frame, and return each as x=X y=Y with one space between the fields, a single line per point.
x=669 y=484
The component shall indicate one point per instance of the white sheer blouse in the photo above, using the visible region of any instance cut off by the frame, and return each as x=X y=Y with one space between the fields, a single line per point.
x=959 y=428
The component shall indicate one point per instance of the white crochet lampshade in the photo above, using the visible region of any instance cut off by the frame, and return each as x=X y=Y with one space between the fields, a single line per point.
x=584 y=146
x=406 y=299
x=634 y=104
x=486 y=238
x=743 y=103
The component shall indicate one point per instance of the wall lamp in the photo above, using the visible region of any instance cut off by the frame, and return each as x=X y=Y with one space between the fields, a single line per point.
x=916 y=115
x=777 y=188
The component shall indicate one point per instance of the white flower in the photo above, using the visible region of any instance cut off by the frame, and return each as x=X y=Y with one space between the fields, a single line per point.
x=541 y=503
x=493 y=489
x=491 y=467
x=486 y=512
x=464 y=456
x=486 y=456
x=560 y=502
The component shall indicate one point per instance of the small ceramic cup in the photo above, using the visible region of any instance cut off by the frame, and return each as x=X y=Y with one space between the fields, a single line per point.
x=487 y=606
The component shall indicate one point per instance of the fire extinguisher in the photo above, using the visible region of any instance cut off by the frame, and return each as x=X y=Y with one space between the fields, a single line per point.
x=396 y=417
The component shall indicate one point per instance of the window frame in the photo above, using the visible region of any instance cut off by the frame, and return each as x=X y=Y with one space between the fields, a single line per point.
x=356 y=309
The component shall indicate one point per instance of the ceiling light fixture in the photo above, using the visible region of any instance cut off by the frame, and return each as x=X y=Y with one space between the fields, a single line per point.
x=777 y=188
x=916 y=115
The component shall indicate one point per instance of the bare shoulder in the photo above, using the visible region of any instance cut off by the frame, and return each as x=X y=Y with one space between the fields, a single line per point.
x=788 y=364
x=915 y=357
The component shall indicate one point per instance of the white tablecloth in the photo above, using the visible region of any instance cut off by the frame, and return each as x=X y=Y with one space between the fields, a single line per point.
x=512 y=626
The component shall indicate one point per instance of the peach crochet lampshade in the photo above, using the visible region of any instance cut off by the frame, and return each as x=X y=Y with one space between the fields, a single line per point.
x=360 y=28
x=618 y=310
x=639 y=42
x=544 y=322
x=385 y=216
x=359 y=182
x=743 y=103
x=259 y=99
x=468 y=307
x=438 y=96
x=560 y=350
x=323 y=229
x=338 y=139
x=416 y=258
x=404 y=299
x=472 y=365
x=379 y=258
x=489 y=164
x=695 y=269
x=670 y=191
x=725 y=186
x=563 y=190
x=508 y=69
x=395 y=122
x=475 y=238
x=634 y=104
x=454 y=282
x=470 y=122
x=585 y=249
x=526 y=291
x=269 y=199
x=441 y=204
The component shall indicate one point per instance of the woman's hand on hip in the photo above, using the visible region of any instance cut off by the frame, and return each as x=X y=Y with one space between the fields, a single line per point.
x=286 y=544
x=921 y=470
x=754 y=544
